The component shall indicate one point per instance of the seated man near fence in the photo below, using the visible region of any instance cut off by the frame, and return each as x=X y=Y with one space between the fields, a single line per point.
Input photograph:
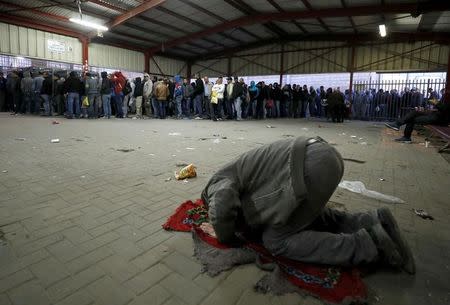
x=438 y=114
x=277 y=194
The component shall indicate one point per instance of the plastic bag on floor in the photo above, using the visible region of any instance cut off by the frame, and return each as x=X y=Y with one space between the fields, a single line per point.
x=359 y=187
x=186 y=172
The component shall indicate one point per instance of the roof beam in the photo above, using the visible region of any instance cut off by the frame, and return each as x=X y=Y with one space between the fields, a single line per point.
x=355 y=30
x=35 y=11
x=145 y=6
x=26 y=22
x=428 y=21
x=249 y=11
x=309 y=7
x=192 y=21
x=322 y=13
x=280 y=9
x=144 y=18
x=209 y=13
x=355 y=39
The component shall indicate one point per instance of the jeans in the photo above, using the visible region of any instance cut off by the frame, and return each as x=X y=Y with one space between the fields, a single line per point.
x=93 y=107
x=198 y=105
x=187 y=106
x=162 y=109
x=47 y=104
x=37 y=103
x=277 y=109
x=73 y=98
x=237 y=107
x=416 y=117
x=118 y=100
x=155 y=104
x=229 y=108
x=178 y=101
x=253 y=105
x=60 y=104
x=106 y=99
x=27 y=99
x=207 y=106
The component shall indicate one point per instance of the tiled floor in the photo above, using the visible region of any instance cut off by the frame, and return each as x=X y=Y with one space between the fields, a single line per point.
x=82 y=220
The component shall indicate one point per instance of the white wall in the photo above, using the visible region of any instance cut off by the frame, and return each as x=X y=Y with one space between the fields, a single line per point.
x=21 y=41
x=115 y=58
x=168 y=66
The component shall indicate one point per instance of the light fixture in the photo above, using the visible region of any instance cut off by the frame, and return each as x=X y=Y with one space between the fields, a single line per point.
x=88 y=24
x=382 y=28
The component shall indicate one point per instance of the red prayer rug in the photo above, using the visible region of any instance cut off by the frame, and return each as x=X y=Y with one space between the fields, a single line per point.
x=330 y=284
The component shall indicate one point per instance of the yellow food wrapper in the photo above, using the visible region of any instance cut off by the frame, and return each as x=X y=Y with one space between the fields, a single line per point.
x=186 y=172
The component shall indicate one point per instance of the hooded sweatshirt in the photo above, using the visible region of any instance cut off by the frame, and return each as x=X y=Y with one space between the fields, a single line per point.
x=148 y=87
x=138 y=87
x=241 y=185
x=72 y=83
x=26 y=85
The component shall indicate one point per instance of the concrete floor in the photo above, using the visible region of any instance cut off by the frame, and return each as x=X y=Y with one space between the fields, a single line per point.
x=82 y=220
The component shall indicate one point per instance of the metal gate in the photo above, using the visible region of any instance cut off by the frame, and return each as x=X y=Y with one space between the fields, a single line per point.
x=389 y=100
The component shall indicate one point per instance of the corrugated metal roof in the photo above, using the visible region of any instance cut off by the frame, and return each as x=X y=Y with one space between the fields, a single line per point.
x=325 y=3
x=288 y=26
x=291 y=5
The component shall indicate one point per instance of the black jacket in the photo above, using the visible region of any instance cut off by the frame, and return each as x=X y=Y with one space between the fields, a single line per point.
x=47 y=86
x=199 y=88
x=238 y=90
x=138 y=87
x=72 y=85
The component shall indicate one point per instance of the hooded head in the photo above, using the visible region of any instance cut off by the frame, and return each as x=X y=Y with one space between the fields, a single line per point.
x=73 y=74
x=177 y=79
x=104 y=74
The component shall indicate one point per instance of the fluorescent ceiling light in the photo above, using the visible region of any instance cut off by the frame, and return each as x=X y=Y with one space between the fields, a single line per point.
x=382 y=28
x=89 y=24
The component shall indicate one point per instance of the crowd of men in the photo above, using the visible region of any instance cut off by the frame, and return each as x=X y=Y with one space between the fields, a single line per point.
x=107 y=95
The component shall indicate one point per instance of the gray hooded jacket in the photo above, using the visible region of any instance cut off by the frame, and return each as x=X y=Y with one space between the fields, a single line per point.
x=265 y=184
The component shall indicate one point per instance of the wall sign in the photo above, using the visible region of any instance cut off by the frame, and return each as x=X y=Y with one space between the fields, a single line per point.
x=55 y=46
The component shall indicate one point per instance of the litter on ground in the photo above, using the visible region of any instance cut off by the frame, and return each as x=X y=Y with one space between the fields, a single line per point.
x=174 y=134
x=360 y=188
x=423 y=214
x=54 y=140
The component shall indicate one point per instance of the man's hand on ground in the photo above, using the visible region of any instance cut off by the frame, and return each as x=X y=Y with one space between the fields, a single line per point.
x=208 y=229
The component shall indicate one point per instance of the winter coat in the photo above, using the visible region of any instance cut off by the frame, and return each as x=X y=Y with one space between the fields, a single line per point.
x=138 y=87
x=26 y=85
x=72 y=84
x=243 y=188
x=148 y=88
x=47 y=86
x=199 y=88
x=161 y=91
x=92 y=86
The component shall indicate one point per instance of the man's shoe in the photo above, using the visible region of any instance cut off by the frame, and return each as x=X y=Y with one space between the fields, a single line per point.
x=387 y=248
x=392 y=126
x=390 y=226
x=404 y=140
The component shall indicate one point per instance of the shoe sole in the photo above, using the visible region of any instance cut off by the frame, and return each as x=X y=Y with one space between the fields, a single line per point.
x=390 y=225
x=391 y=127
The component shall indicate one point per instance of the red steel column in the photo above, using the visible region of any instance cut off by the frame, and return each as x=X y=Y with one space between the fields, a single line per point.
x=85 y=53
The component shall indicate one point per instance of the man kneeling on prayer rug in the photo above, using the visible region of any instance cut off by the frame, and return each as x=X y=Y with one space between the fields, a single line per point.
x=278 y=193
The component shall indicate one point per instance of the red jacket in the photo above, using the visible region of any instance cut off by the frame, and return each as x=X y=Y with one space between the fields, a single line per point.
x=119 y=82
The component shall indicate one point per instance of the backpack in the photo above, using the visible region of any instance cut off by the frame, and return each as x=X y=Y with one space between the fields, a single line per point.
x=127 y=89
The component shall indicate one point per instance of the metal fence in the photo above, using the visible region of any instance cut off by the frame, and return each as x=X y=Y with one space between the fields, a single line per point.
x=389 y=100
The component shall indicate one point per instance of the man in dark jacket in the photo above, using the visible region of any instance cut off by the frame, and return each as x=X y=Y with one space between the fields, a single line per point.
x=280 y=191
x=197 y=97
x=72 y=87
x=47 y=93
x=138 y=94
x=438 y=115
x=237 y=97
x=106 y=88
